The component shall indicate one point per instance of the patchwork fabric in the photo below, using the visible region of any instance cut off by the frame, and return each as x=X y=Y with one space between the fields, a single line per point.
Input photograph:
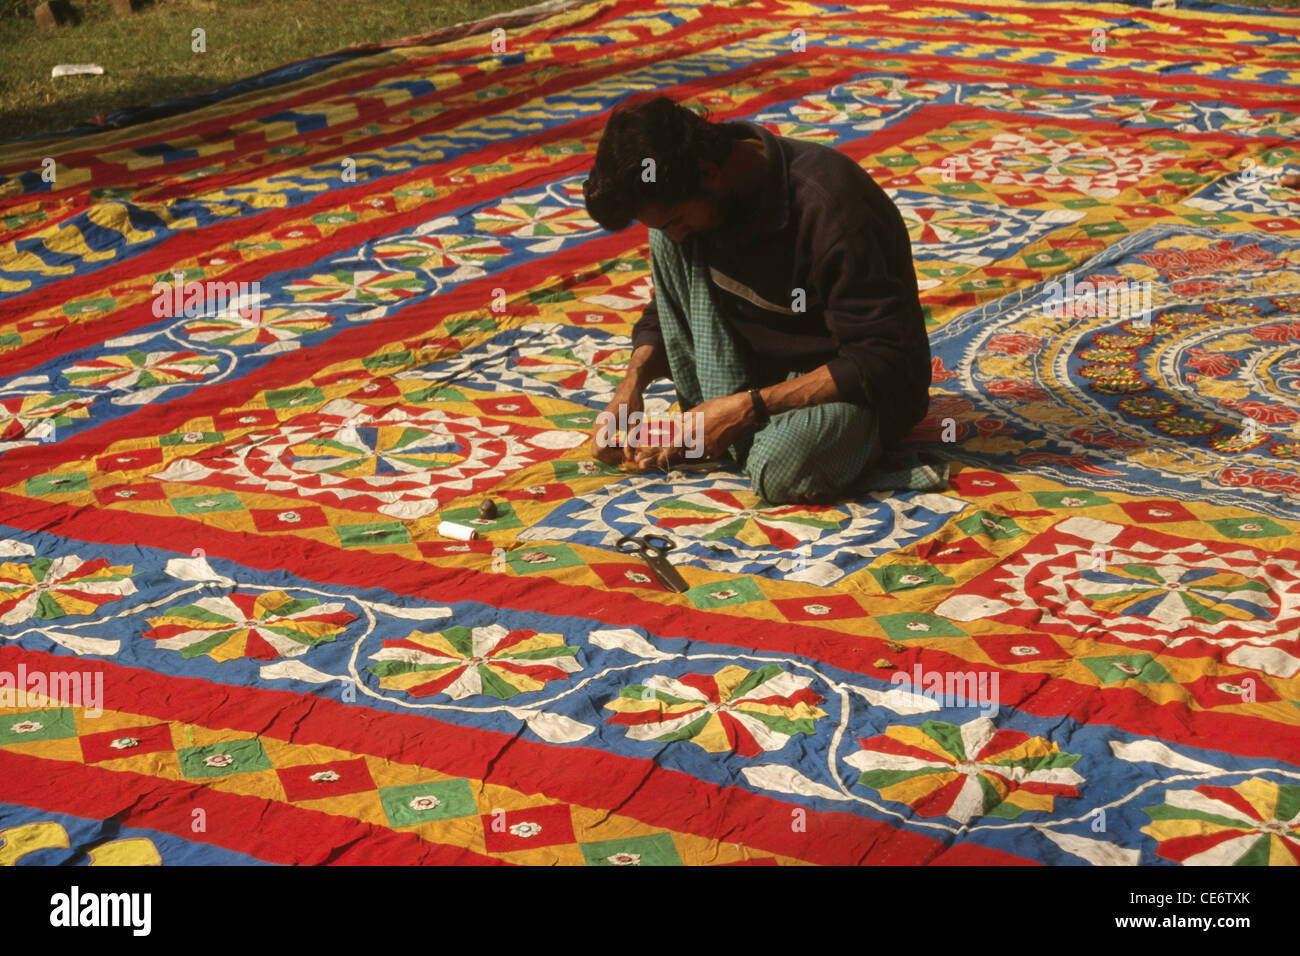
x=240 y=391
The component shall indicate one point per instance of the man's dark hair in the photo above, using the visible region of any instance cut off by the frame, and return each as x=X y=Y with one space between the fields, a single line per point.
x=678 y=139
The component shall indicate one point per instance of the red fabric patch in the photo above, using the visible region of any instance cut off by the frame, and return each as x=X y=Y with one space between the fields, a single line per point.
x=297 y=231
x=376 y=389
x=358 y=375
x=1007 y=649
x=630 y=574
x=1277 y=225
x=134 y=491
x=45 y=322
x=978 y=483
x=153 y=739
x=554 y=820
x=435 y=549
x=224 y=258
x=245 y=418
x=557 y=491
x=952 y=552
x=839 y=606
x=129 y=460
x=597 y=318
x=515 y=405
x=272 y=519
x=1146 y=212
x=1156 y=511
x=354 y=777
x=1210 y=691
x=704 y=683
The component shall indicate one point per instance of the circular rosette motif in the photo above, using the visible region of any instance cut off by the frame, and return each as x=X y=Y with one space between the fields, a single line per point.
x=893 y=89
x=583 y=367
x=366 y=450
x=967 y=771
x=1101 y=171
x=525 y=219
x=257 y=328
x=717 y=522
x=28 y=418
x=736 y=709
x=137 y=369
x=366 y=285
x=948 y=226
x=262 y=626
x=717 y=514
x=439 y=252
x=394 y=462
x=473 y=661
x=1256 y=823
x=1172 y=594
x=50 y=588
x=821 y=109
x=1154 y=112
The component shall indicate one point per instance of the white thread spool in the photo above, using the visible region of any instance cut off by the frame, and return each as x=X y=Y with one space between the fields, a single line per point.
x=449 y=529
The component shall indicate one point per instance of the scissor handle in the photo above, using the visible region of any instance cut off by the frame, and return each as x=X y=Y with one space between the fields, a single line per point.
x=649 y=544
x=659 y=542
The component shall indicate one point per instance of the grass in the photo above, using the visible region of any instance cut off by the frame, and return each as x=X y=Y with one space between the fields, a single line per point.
x=147 y=57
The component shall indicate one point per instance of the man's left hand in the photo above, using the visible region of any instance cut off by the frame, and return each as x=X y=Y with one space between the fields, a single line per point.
x=717 y=424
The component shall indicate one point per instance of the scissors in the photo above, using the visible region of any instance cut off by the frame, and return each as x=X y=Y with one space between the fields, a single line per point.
x=653 y=549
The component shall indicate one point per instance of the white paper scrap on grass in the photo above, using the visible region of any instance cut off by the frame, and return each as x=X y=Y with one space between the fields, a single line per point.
x=77 y=69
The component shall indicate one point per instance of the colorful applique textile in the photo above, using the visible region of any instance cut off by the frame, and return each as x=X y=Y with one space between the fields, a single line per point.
x=255 y=347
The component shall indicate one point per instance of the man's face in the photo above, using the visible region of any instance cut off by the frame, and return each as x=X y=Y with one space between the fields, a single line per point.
x=684 y=219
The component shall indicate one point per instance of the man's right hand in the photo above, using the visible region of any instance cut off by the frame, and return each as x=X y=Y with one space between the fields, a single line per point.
x=627 y=399
x=647 y=364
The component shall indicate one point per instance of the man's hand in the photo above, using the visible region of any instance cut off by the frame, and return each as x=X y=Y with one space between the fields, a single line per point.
x=717 y=424
x=647 y=364
x=627 y=399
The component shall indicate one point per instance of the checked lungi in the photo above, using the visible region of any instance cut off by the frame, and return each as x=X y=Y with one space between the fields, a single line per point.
x=808 y=455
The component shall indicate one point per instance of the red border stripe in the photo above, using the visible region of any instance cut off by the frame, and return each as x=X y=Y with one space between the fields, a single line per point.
x=578 y=775
x=267 y=830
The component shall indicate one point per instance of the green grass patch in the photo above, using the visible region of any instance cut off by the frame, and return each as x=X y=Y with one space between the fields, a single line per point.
x=147 y=57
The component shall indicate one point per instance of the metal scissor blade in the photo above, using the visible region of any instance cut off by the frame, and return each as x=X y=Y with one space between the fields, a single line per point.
x=666 y=573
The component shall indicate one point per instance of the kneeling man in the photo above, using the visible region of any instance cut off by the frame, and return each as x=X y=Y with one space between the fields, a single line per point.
x=785 y=304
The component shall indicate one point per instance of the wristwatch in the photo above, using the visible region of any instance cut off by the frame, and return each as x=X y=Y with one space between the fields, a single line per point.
x=760 y=410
